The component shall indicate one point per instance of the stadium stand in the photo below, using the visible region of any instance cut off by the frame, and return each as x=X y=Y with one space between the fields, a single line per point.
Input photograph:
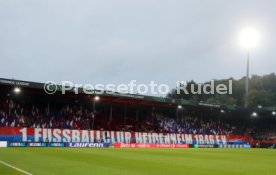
x=14 y=114
x=33 y=108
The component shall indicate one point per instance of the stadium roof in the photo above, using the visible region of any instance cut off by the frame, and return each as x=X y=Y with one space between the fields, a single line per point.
x=120 y=98
x=39 y=88
x=107 y=97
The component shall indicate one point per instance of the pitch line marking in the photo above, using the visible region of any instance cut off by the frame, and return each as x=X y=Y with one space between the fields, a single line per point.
x=18 y=169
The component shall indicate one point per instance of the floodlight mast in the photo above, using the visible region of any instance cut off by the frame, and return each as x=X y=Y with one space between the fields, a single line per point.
x=247 y=81
x=249 y=39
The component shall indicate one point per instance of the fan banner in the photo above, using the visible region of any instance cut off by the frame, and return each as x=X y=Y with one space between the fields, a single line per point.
x=14 y=134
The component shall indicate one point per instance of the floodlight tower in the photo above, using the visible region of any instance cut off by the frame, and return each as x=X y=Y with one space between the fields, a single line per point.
x=249 y=39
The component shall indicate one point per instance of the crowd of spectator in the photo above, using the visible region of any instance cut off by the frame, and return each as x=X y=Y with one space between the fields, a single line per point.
x=14 y=114
x=266 y=135
x=36 y=116
x=194 y=125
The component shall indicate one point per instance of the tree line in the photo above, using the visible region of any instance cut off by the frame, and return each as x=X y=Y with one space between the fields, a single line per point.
x=262 y=91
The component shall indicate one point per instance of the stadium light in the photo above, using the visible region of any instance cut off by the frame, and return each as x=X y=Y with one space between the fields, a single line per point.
x=249 y=39
x=273 y=113
x=179 y=107
x=96 y=98
x=254 y=114
x=17 y=90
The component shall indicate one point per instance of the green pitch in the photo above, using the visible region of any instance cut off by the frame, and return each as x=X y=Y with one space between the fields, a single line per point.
x=93 y=161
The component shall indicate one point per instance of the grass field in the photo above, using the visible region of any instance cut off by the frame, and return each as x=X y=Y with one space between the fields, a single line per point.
x=82 y=161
